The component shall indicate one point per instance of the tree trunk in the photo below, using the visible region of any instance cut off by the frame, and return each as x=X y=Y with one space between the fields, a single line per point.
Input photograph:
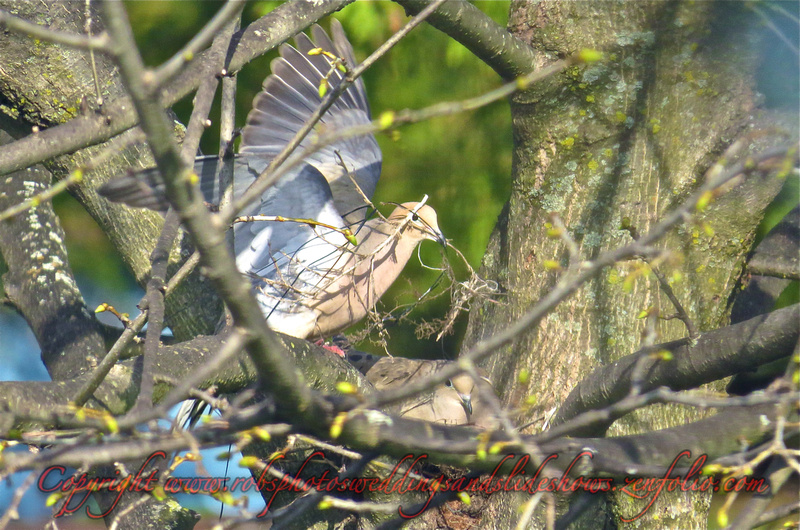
x=619 y=142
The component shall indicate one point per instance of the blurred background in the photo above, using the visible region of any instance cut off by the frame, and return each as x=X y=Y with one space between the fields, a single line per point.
x=462 y=162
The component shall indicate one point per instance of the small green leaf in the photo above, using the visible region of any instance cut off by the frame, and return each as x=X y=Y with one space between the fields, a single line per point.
x=262 y=434
x=53 y=498
x=249 y=461
x=588 y=55
x=722 y=518
x=551 y=265
x=350 y=237
x=111 y=423
x=704 y=201
x=337 y=425
x=346 y=387
x=386 y=119
x=159 y=493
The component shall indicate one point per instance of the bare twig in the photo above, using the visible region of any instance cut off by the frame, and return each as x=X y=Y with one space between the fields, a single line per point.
x=155 y=314
x=74 y=177
x=212 y=29
x=128 y=334
x=666 y=288
x=91 y=129
x=11 y=513
x=232 y=347
x=88 y=42
x=87 y=26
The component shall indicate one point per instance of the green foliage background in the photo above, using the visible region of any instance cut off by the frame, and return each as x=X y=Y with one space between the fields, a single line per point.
x=462 y=162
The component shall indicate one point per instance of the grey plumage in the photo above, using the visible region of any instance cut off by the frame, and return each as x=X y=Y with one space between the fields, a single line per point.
x=309 y=279
x=455 y=402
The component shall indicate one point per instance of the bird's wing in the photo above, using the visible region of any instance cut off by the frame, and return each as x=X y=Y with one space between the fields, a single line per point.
x=291 y=262
x=289 y=97
x=145 y=189
x=300 y=194
x=393 y=372
x=303 y=193
x=291 y=94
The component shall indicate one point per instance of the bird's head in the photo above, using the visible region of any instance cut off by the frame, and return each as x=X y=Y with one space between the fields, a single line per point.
x=420 y=218
x=464 y=386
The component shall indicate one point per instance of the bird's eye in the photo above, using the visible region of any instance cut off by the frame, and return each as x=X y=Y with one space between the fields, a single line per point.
x=414 y=217
x=449 y=384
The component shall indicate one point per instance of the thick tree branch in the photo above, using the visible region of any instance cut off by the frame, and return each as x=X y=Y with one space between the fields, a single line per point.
x=767 y=163
x=776 y=255
x=716 y=354
x=160 y=256
x=21 y=401
x=99 y=42
x=493 y=44
x=39 y=282
x=645 y=455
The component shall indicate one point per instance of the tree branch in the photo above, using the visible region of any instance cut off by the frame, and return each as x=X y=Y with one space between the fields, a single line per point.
x=40 y=283
x=276 y=373
x=503 y=52
x=724 y=352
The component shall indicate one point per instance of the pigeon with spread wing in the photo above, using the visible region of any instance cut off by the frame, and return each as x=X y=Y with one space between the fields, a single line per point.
x=310 y=279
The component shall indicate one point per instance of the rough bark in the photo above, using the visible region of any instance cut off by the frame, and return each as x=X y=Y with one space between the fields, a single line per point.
x=619 y=143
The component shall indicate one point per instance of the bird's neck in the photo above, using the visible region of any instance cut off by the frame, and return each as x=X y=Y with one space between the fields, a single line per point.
x=369 y=270
x=387 y=246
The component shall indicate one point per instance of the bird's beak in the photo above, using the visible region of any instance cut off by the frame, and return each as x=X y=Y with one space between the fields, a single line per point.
x=441 y=239
x=466 y=402
x=435 y=234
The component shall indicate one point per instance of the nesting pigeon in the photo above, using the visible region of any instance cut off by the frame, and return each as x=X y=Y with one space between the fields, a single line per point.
x=310 y=279
x=455 y=402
